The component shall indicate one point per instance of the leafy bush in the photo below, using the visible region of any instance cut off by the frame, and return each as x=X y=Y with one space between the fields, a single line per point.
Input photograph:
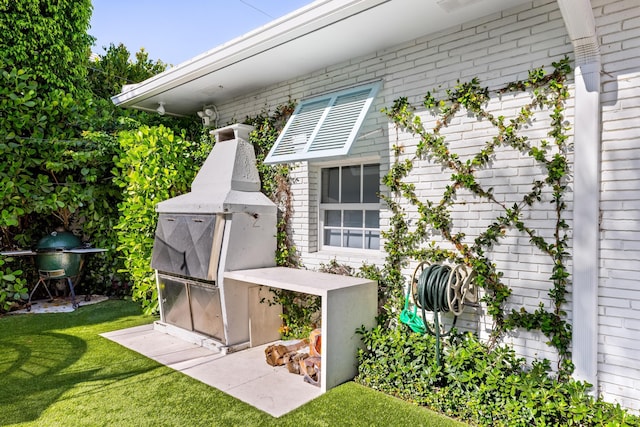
x=58 y=141
x=49 y=177
x=398 y=363
x=49 y=37
x=12 y=286
x=489 y=387
x=300 y=314
x=36 y=123
x=155 y=165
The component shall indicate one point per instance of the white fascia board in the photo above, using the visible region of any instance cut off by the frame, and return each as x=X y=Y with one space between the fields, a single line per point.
x=303 y=21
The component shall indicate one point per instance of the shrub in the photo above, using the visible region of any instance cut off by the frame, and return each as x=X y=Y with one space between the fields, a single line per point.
x=489 y=387
x=13 y=287
x=155 y=165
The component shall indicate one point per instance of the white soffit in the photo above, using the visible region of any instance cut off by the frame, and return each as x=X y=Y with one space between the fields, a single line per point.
x=321 y=34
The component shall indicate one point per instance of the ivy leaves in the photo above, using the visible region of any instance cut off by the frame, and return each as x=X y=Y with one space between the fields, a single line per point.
x=548 y=93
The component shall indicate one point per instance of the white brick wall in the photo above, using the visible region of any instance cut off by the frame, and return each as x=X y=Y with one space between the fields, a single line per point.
x=618 y=25
x=499 y=49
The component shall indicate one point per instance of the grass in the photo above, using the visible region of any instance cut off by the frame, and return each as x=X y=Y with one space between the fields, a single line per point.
x=55 y=370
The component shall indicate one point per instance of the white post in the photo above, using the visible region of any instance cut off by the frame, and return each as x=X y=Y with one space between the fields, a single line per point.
x=580 y=24
x=586 y=225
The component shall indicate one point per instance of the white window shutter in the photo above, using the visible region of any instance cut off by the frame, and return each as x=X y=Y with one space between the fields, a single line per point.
x=324 y=126
x=299 y=128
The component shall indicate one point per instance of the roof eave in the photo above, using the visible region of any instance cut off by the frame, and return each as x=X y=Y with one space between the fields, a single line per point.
x=319 y=35
x=303 y=21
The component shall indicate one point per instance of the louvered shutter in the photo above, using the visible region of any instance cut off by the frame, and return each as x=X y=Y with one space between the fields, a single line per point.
x=300 y=128
x=324 y=126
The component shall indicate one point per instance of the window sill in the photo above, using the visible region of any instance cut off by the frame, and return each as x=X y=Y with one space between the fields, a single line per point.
x=331 y=252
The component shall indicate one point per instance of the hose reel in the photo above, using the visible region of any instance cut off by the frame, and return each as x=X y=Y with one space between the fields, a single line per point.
x=438 y=288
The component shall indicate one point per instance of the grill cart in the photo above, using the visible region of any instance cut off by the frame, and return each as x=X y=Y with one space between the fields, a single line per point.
x=58 y=256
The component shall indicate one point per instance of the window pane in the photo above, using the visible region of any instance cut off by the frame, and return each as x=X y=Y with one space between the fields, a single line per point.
x=350 y=184
x=330 y=185
x=353 y=219
x=352 y=239
x=332 y=218
x=372 y=219
x=350 y=228
x=372 y=240
x=371 y=184
x=332 y=237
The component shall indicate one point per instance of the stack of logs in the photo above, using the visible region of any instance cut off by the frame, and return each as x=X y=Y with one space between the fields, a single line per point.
x=306 y=363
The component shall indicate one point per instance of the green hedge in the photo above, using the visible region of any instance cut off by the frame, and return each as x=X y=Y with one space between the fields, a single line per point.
x=155 y=165
x=487 y=387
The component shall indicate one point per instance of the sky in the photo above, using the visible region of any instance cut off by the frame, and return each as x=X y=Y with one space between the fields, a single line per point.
x=174 y=31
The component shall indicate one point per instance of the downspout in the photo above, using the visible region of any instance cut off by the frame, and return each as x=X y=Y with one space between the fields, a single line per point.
x=580 y=24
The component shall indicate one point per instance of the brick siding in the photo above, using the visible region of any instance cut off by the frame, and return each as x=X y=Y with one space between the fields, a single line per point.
x=499 y=49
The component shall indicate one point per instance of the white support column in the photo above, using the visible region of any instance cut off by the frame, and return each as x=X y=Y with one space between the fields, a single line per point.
x=580 y=24
x=586 y=231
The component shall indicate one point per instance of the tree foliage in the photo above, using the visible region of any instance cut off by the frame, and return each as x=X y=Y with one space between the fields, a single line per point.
x=43 y=56
x=48 y=37
x=109 y=72
x=58 y=135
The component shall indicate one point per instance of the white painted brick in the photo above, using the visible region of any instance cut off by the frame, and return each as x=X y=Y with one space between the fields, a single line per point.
x=611 y=331
x=627 y=295
x=623 y=343
x=610 y=321
x=628 y=23
x=617 y=6
x=616 y=376
x=498 y=49
x=624 y=313
x=452 y=37
x=633 y=323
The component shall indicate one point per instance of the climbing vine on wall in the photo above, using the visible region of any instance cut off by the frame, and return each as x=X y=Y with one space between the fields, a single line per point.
x=275 y=178
x=406 y=239
x=299 y=311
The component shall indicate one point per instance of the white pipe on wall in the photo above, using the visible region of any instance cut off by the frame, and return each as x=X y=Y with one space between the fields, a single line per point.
x=580 y=24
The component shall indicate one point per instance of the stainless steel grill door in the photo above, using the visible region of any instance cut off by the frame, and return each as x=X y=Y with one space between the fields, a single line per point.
x=175 y=302
x=183 y=245
x=206 y=310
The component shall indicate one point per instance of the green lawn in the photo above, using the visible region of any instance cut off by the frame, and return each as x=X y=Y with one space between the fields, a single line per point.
x=55 y=370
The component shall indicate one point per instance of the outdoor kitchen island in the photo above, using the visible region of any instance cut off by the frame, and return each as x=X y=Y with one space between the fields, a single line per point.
x=347 y=304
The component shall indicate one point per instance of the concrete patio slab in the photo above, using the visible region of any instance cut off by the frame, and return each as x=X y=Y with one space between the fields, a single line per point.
x=244 y=374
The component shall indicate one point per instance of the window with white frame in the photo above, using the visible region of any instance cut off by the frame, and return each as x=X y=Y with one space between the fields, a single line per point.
x=349 y=206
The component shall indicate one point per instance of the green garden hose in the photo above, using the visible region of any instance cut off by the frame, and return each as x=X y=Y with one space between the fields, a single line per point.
x=435 y=289
x=432 y=294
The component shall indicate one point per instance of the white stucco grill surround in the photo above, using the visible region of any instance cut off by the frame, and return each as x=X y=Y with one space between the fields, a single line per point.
x=223 y=307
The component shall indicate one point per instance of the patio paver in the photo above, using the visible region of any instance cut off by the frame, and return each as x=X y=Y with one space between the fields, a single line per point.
x=244 y=375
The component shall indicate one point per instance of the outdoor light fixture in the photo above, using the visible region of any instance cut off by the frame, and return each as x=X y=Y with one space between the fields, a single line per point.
x=160 y=108
x=209 y=115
